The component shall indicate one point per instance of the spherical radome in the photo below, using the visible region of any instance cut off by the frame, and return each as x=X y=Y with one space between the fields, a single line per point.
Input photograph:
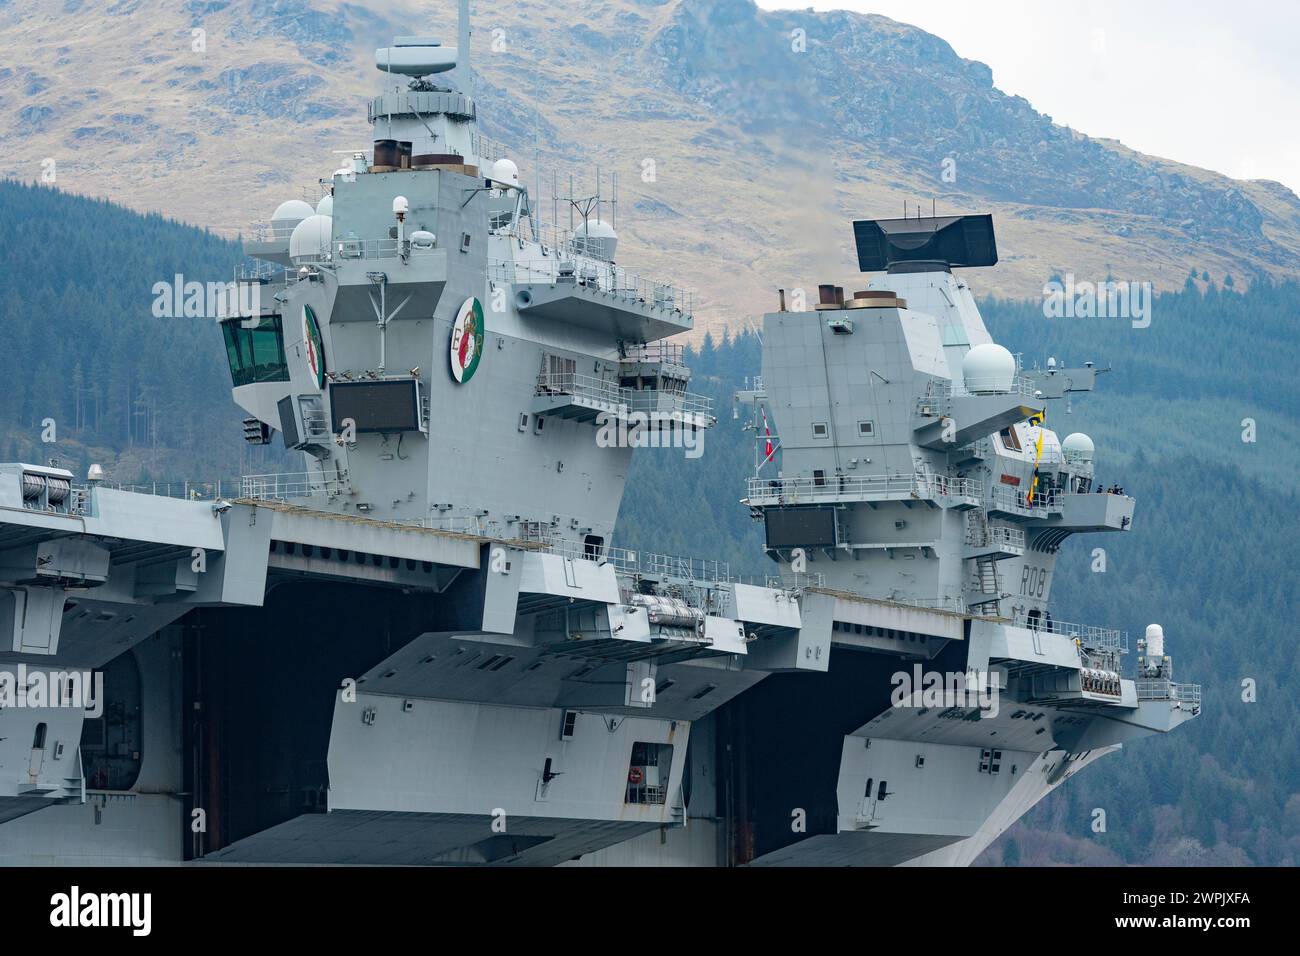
x=311 y=238
x=597 y=238
x=326 y=206
x=295 y=210
x=505 y=171
x=1078 y=446
x=988 y=368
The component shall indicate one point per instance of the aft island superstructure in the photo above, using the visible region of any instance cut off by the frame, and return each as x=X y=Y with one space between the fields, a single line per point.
x=423 y=647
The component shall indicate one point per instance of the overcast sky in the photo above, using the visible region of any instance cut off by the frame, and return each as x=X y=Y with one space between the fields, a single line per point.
x=1214 y=84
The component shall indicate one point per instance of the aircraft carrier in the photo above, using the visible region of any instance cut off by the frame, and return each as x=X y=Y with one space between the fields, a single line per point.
x=424 y=647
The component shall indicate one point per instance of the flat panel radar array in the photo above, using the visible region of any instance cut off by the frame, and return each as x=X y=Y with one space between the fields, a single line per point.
x=954 y=241
x=800 y=527
x=376 y=406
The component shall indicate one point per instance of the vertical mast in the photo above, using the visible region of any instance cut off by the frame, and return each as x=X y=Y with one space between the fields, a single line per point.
x=463 y=75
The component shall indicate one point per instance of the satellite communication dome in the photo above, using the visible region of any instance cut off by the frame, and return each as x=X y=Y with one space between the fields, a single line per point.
x=401 y=206
x=596 y=238
x=311 y=239
x=1077 y=447
x=505 y=171
x=326 y=206
x=287 y=215
x=988 y=369
x=1155 y=640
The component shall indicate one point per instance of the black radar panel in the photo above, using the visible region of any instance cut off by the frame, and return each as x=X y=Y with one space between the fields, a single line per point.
x=955 y=241
x=385 y=406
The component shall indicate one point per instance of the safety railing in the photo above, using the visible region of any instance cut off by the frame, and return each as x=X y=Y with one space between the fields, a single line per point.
x=188 y=490
x=259 y=270
x=644 y=562
x=350 y=248
x=567 y=266
x=1017 y=501
x=1091 y=636
x=784 y=582
x=834 y=487
x=940 y=391
x=796 y=490
x=665 y=353
x=587 y=387
x=943 y=486
x=281 y=487
x=487 y=150
x=996 y=536
x=1159 y=689
x=608 y=392
x=659 y=400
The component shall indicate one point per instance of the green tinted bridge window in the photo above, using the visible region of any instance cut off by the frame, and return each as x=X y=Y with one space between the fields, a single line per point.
x=255 y=354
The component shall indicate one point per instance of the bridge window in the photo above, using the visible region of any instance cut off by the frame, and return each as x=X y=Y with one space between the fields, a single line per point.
x=255 y=354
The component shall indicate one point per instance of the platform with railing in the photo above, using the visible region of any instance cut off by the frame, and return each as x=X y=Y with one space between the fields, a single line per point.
x=805 y=490
x=1018 y=502
x=574 y=395
x=627 y=561
x=1089 y=635
x=284 y=487
x=654 y=353
x=1160 y=689
x=352 y=248
x=567 y=266
x=215 y=490
x=939 y=392
x=992 y=538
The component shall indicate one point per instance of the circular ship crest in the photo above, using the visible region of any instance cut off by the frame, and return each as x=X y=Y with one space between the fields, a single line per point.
x=467 y=340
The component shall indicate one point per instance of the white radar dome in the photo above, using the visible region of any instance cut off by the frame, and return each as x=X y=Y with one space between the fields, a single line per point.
x=1155 y=640
x=1077 y=447
x=311 y=239
x=294 y=209
x=597 y=238
x=505 y=171
x=287 y=215
x=988 y=368
x=326 y=206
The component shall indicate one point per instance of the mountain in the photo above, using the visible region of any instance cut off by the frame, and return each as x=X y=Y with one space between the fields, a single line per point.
x=765 y=142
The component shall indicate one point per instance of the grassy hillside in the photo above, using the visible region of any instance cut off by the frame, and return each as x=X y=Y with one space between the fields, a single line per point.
x=761 y=148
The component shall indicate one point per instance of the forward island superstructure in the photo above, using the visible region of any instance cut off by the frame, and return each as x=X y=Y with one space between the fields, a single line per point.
x=423 y=647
